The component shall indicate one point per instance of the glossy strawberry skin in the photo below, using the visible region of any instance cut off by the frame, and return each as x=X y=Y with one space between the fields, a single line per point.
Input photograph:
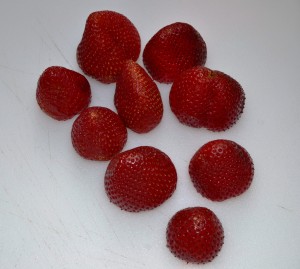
x=173 y=49
x=195 y=235
x=62 y=93
x=201 y=97
x=98 y=134
x=221 y=169
x=140 y=179
x=137 y=99
x=109 y=39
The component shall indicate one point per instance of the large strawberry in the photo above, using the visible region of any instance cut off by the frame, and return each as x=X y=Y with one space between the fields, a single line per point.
x=98 y=134
x=140 y=179
x=173 y=49
x=221 y=169
x=195 y=235
x=62 y=93
x=137 y=99
x=201 y=97
x=109 y=39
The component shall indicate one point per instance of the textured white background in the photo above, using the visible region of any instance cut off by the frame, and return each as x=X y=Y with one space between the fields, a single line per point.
x=54 y=212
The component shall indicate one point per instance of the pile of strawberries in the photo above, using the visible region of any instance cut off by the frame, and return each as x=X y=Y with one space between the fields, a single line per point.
x=143 y=178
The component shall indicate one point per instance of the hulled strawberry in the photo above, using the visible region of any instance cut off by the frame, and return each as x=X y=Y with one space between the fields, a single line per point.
x=195 y=235
x=62 y=93
x=98 y=134
x=137 y=99
x=140 y=179
x=109 y=39
x=201 y=97
x=221 y=169
x=173 y=49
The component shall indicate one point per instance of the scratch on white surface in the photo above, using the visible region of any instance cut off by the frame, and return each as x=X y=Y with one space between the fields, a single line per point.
x=137 y=262
x=110 y=223
x=53 y=42
x=83 y=226
x=49 y=146
x=285 y=208
x=16 y=70
x=12 y=91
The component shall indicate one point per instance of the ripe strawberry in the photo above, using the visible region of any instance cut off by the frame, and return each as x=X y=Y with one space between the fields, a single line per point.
x=195 y=234
x=98 y=134
x=201 y=97
x=140 y=179
x=137 y=99
x=62 y=93
x=109 y=39
x=173 y=49
x=221 y=169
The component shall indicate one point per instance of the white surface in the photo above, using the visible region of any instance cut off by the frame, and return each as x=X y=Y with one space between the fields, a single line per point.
x=53 y=209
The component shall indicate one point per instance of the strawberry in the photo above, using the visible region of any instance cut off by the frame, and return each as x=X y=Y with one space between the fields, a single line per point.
x=109 y=39
x=201 y=97
x=173 y=49
x=221 y=169
x=98 y=134
x=62 y=93
x=140 y=179
x=195 y=235
x=137 y=99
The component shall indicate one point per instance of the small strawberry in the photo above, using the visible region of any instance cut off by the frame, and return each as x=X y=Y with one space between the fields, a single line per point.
x=173 y=49
x=221 y=169
x=109 y=39
x=140 y=179
x=201 y=97
x=62 y=93
x=195 y=235
x=98 y=134
x=137 y=99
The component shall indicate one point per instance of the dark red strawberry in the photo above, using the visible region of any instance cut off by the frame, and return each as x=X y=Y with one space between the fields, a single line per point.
x=173 y=49
x=137 y=99
x=195 y=235
x=140 y=179
x=109 y=39
x=221 y=169
x=98 y=134
x=62 y=93
x=201 y=97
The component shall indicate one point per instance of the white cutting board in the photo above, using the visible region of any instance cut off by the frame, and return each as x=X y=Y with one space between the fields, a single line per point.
x=54 y=212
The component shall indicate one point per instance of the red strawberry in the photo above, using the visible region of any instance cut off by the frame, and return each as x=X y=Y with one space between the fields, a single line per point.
x=140 y=179
x=221 y=169
x=137 y=99
x=98 y=134
x=109 y=39
x=173 y=49
x=201 y=97
x=195 y=234
x=62 y=93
